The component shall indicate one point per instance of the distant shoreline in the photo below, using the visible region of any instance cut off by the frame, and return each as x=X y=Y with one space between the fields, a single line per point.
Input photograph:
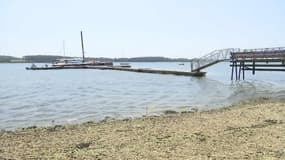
x=52 y=58
x=114 y=62
x=253 y=130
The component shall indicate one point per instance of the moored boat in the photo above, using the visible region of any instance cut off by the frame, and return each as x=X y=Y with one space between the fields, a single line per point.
x=79 y=62
x=125 y=65
x=68 y=62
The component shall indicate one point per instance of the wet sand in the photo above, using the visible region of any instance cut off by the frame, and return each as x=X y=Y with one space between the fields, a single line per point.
x=251 y=130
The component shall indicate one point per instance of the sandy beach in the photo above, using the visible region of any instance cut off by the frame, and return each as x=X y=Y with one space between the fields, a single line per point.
x=249 y=130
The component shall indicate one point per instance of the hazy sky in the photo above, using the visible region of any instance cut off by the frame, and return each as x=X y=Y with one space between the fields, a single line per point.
x=131 y=28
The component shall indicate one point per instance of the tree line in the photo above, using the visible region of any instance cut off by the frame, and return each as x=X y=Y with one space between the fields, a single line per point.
x=52 y=58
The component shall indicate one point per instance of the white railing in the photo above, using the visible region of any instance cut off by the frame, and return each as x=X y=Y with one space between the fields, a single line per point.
x=211 y=58
x=225 y=54
x=263 y=49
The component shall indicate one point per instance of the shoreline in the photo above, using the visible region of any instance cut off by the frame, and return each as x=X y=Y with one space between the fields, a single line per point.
x=253 y=130
x=148 y=113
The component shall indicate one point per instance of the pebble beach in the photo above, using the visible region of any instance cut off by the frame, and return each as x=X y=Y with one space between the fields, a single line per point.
x=248 y=130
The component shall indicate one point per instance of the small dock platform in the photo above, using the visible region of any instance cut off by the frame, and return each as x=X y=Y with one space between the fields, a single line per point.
x=140 y=70
x=263 y=59
x=260 y=59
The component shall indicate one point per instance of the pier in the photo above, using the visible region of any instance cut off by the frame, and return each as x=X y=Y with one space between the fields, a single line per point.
x=140 y=70
x=82 y=64
x=264 y=59
x=241 y=60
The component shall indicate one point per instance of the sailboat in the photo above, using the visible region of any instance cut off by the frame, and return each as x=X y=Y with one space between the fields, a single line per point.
x=79 y=61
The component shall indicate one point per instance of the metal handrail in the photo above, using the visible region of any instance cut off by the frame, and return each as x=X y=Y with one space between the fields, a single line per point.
x=211 y=58
x=225 y=54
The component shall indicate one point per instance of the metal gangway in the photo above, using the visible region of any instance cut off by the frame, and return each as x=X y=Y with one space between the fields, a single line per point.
x=237 y=54
x=212 y=58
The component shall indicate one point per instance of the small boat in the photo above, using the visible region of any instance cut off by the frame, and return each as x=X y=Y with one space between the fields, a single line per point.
x=98 y=63
x=68 y=62
x=125 y=65
x=181 y=63
x=79 y=61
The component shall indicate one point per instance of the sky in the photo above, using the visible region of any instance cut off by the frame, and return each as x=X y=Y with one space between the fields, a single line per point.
x=134 y=28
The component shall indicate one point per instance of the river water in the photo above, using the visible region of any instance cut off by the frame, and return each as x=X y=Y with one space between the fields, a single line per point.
x=50 y=97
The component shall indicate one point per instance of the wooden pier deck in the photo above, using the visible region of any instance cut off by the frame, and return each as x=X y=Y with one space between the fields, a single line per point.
x=140 y=70
x=260 y=59
x=264 y=59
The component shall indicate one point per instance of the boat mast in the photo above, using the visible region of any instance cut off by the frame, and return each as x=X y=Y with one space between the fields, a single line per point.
x=82 y=46
x=63 y=48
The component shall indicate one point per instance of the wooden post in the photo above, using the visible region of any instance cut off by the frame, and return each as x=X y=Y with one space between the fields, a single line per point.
x=232 y=75
x=253 y=66
x=82 y=46
x=236 y=71
x=239 y=71
x=243 y=70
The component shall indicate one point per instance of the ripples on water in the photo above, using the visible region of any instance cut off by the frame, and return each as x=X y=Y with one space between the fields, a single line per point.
x=62 y=96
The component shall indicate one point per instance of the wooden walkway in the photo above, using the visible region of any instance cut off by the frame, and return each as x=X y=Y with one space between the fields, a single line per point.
x=140 y=70
x=262 y=59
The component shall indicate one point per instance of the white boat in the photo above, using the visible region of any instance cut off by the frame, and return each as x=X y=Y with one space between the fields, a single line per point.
x=79 y=61
x=68 y=62
x=125 y=65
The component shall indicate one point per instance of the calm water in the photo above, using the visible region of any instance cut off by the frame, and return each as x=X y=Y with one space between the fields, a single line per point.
x=70 y=96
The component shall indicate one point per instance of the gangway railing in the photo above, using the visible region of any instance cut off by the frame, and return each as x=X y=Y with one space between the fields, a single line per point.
x=261 y=59
x=212 y=58
x=234 y=54
x=260 y=53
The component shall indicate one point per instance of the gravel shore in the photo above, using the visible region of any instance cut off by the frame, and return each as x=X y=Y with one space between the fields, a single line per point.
x=251 y=130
